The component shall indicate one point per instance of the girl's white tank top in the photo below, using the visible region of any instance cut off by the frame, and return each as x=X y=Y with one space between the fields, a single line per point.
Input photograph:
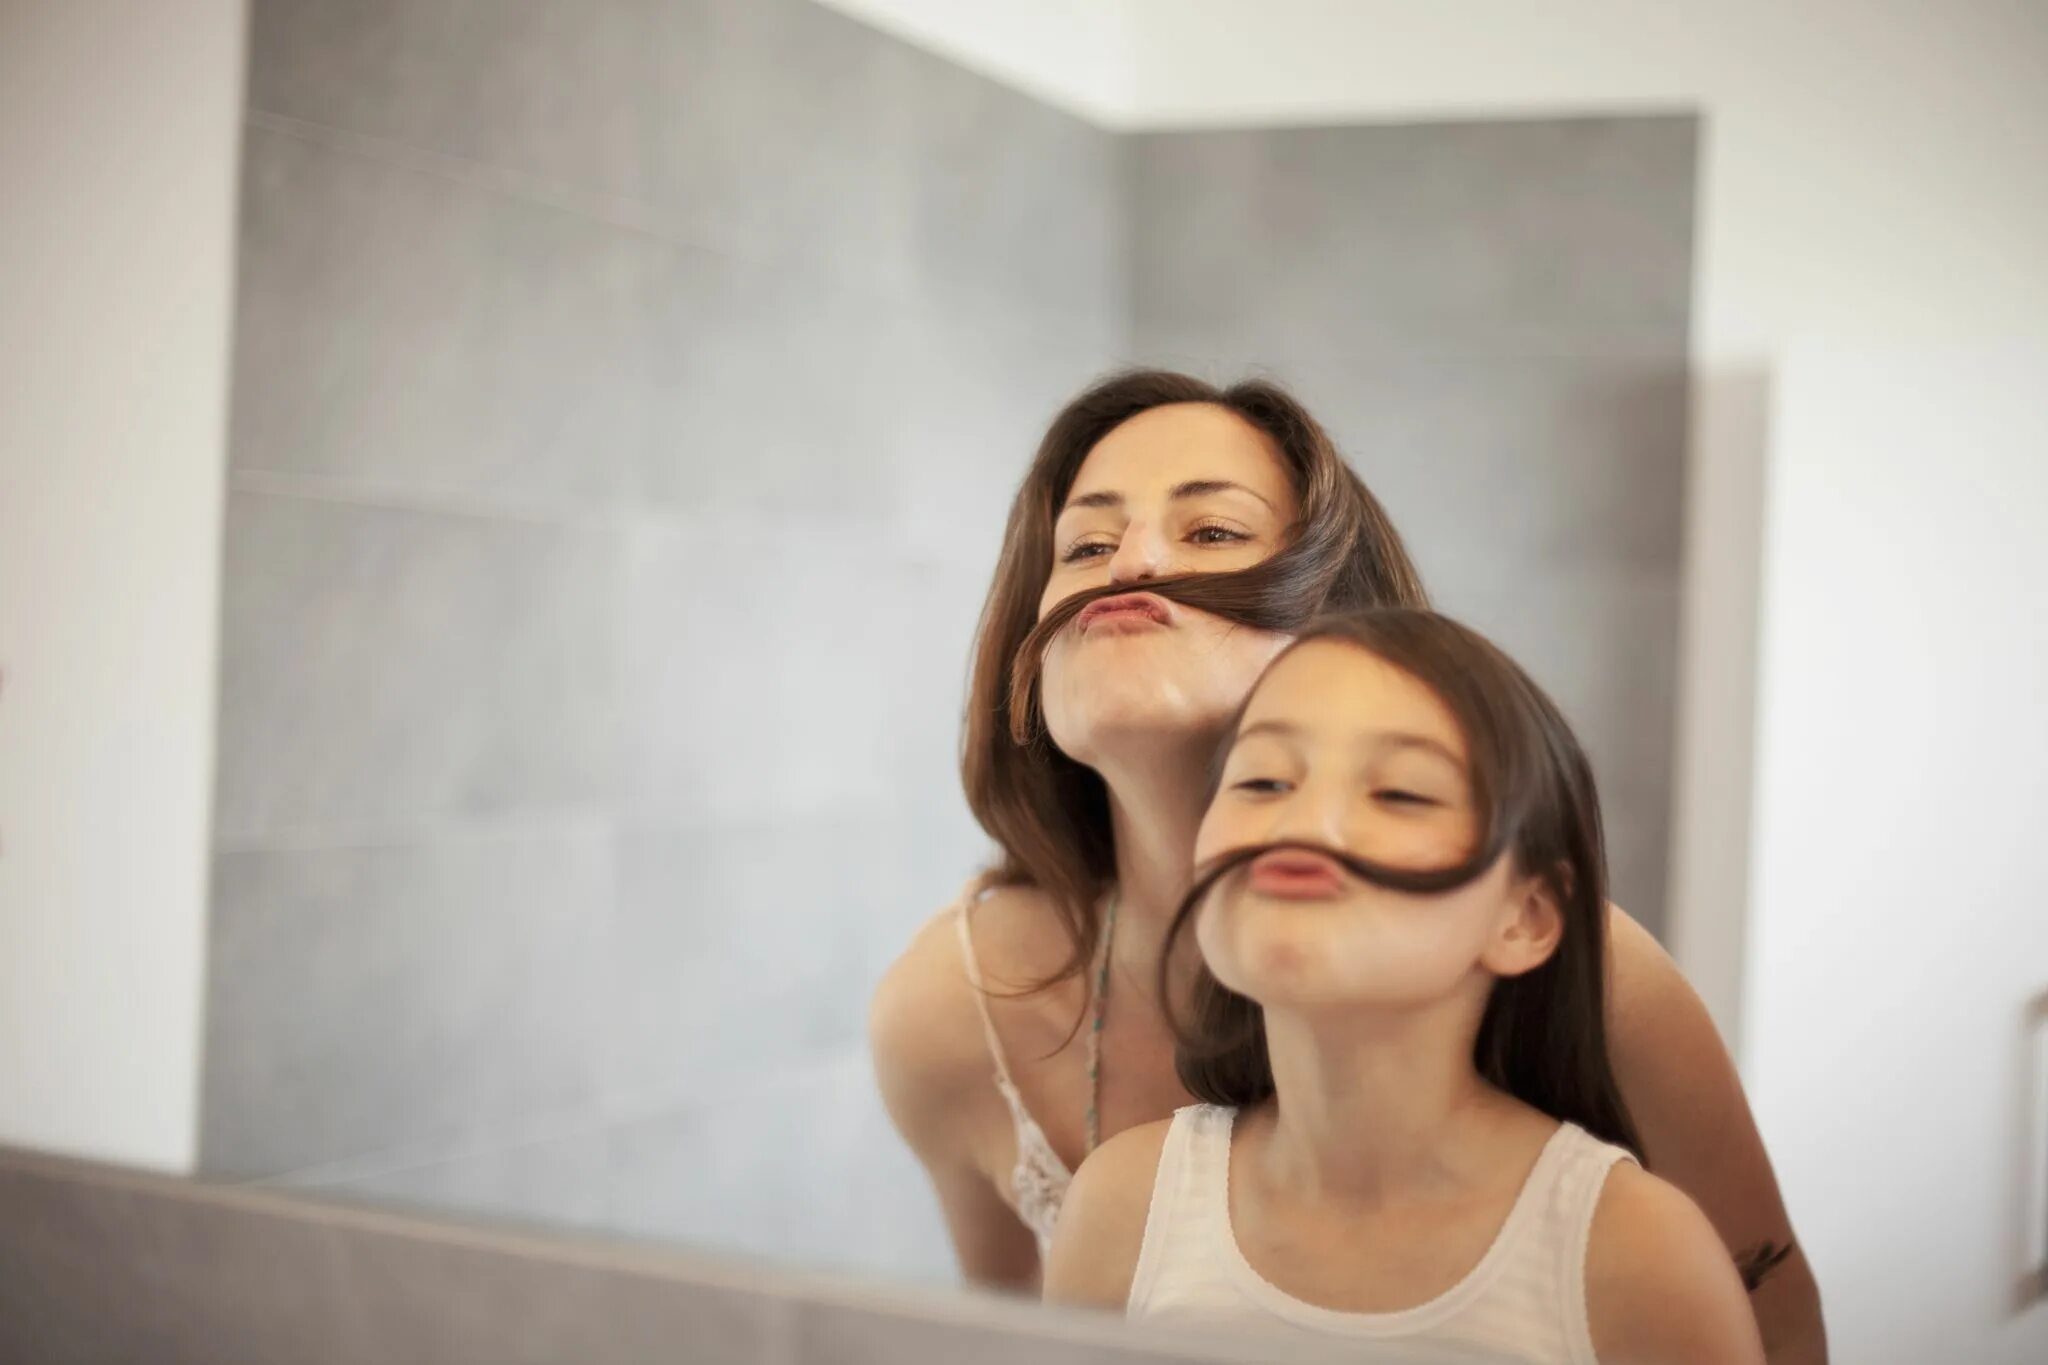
x=1524 y=1300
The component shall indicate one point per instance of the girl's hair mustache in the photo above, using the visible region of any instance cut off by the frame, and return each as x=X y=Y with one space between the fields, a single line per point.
x=1236 y=1025
x=1414 y=881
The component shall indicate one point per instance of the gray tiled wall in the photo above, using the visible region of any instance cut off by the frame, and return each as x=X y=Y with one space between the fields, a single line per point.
x=616 y=385
x=627 y=399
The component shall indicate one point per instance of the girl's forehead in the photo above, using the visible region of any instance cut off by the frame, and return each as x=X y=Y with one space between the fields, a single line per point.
x=1336 y=689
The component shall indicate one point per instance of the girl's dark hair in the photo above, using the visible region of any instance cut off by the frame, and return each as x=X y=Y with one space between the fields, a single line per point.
x=1543 y=1037
x=1048 y=814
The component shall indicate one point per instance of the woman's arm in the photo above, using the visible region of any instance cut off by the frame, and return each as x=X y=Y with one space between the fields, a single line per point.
x=994 y=1249
x=1660 y=1289
x=934 y=1072
x=1683 y=1091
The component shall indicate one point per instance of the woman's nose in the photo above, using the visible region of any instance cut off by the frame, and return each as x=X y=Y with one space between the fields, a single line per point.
x=1142 y=553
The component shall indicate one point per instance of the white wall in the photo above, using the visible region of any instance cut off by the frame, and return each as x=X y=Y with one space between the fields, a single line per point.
x=118 y=136
x=1900 y=929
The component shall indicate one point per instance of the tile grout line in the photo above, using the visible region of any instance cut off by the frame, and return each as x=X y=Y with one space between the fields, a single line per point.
x=600 y=821
x=612 y=210
x=385 y=497
x=637 y=1106
x=559 y=822
x=620 y=516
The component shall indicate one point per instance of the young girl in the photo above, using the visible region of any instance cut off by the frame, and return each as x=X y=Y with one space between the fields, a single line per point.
x=1413 y=1133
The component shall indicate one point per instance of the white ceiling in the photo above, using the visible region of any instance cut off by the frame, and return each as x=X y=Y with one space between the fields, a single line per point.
x=1139 y=64
x=1072 y=54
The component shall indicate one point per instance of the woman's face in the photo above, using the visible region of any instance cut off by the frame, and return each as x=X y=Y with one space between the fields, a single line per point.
x=1187 y=488
x=1342 y=750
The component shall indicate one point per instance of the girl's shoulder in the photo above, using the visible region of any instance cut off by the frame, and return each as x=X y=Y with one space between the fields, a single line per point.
x=1660 y=1282
x=1113 y=1188
x=1101 y=1229
x=1134 y=1152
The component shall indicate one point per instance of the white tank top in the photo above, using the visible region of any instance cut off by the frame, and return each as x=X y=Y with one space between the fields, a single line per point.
x=1525 y=1300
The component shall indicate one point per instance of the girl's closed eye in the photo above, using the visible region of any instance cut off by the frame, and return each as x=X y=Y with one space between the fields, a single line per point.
x=1261 y=786
x=1396 y=796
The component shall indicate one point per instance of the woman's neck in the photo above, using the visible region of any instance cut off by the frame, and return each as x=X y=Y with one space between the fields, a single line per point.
x=1155 y=809
x=1374 y=1105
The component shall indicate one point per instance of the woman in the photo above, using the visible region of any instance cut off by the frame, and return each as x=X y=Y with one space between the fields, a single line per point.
x=1165 y=539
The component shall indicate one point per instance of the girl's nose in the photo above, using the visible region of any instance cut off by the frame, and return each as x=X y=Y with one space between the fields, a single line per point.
x=1313 y=813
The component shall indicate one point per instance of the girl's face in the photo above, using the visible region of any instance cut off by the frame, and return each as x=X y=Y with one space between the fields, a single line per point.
x=1186 y=488
x=1342 y=750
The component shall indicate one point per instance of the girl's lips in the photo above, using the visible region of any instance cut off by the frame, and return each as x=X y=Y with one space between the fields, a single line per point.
x=1127 y=609
x=1296 y=874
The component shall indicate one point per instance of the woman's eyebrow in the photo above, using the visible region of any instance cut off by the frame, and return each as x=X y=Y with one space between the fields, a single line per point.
x=1105 y=498
x=1193 y=488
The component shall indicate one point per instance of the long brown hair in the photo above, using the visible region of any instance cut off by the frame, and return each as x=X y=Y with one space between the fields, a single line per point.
x=1048 y=814
x=1543 y=1036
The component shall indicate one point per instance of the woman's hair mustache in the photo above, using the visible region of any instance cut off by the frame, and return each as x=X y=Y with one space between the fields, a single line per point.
x=1281 y=594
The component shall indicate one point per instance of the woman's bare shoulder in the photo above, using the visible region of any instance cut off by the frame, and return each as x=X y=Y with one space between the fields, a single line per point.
x=925 y=1035
x=925 y=1025
x=1018 y=938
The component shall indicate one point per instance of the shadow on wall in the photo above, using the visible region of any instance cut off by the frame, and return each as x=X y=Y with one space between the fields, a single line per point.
x=2030 y=1150
x=1713 y=789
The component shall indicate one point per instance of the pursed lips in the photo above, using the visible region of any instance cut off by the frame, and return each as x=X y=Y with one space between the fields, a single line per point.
x=1297 y=874
x=1133 y=607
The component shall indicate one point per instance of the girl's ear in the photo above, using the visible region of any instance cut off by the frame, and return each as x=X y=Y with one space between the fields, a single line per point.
x=1530 y=928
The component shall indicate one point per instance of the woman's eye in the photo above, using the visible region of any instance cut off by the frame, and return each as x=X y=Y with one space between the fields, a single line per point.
x=1216 y=535
x=1093 y=549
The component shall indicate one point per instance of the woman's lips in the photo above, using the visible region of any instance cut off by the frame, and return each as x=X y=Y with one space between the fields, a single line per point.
x=1297 y=875
x=1127 y=611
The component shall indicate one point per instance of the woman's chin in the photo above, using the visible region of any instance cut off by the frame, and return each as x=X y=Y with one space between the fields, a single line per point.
x=1087 y=707
x=1103 y=726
